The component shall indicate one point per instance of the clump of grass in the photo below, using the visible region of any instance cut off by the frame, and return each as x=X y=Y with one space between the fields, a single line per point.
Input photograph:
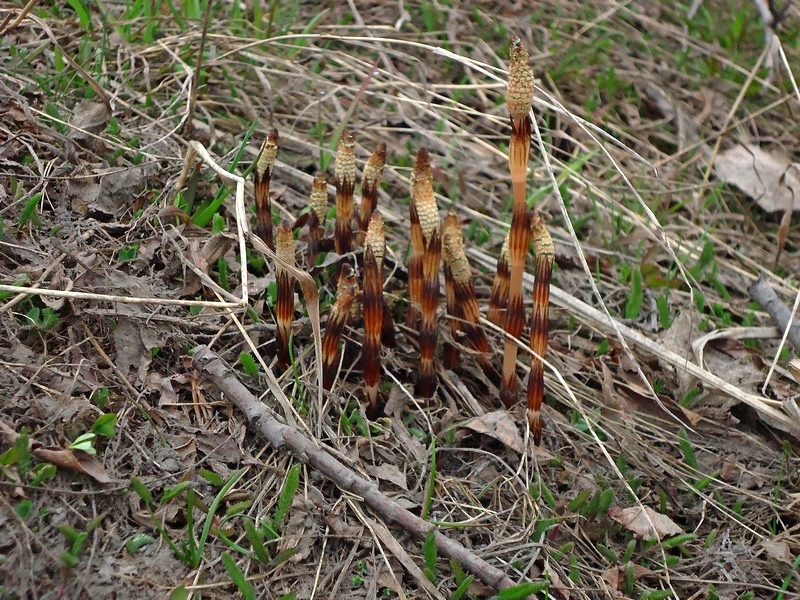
x=519 y=101
x=374 y=251
x=318 y=211
x=370 y=184
x=462 y=304
x=426 y=246
x=284 y=305
x=540 y=322
x=344 y=171
x=262 y=174
x=346 y=291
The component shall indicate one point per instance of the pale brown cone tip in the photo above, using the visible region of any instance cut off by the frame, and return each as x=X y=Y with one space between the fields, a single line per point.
x=344 y=168
x=422 y=194
x=284 y=244
x=267 y=155
x=453 y=249
x=376 y=237
x=373 y=170
x=540 y=237
x=318 y=201
x=520 y=81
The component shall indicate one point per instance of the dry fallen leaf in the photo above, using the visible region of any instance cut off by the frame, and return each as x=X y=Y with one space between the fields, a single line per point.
x=390 y=473
x=499 y=425
x=768 y=177
x=636 y=520
x=778 y=549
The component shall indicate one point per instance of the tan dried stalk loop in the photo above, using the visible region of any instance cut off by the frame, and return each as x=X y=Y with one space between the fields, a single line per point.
x=344 y=171
x=374 y=251
x=370 y=184
x=262 y=174
x=519 y=101
x=284 y=305
x=462 y=304
x=346 y=291
x=318 y=212
x=423 y=270
x=540 y=322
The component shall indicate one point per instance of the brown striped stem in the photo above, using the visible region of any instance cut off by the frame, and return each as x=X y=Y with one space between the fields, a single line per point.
x=428 y=330
x=519 y=100
x=346 y=291
x=262 y=174
x=464 y=302
x=317 y=212
x=498 y=301
x=284 y=305
x=370 y=184
x=375 y=241
x=344 y=171
x=425 y=214
x=452 y=355
x=540 y=322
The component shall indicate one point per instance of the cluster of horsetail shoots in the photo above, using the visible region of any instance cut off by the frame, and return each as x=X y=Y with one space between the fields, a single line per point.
x=425 y=220
x=344 y=172
x=370 y=184
x=346 y=291
x=540 y=322
x=374 y=250
x=519 y=101
x=265 y=164
x=462 y=304
x=430 y=243
x=284 y=304
x=499 y=297
x=318 y=211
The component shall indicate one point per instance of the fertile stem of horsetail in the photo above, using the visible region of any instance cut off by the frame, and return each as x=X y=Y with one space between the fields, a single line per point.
x=425 y=231
x=540 y=322
x=344 y=171
x=519 y=100
x=498 y=301
x=370 y=184
x=261 y=178
x=375 y=248
x=461 y=301
x=346 y=291
x=284 y=304
x=318 y=211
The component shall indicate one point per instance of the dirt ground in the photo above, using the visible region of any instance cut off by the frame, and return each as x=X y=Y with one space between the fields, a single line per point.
x=663 y=162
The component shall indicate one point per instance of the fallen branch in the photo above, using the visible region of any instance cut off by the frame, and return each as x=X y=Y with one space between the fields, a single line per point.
x=762 y=292
x=285 y=438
